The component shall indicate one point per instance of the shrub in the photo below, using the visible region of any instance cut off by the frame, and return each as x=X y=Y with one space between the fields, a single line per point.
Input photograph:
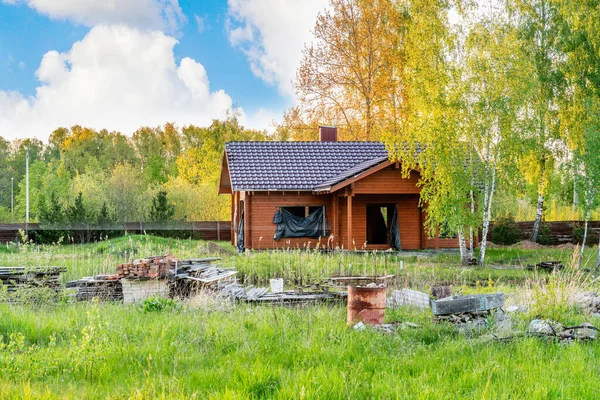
x=545 y=235
x=578 y=232
x=157 y=303
x=506 y=231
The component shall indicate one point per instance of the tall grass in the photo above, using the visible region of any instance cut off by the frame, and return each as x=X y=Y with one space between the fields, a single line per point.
x=114 y=351
x=298 y=267
x=204 y=348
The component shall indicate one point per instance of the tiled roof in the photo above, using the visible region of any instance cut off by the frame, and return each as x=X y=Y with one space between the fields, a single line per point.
x=350 y=173
x=298 y=165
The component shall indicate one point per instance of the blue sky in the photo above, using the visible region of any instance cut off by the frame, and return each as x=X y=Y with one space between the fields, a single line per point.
x=129 y=63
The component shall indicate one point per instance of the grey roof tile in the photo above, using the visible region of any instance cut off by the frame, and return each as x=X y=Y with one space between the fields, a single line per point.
x=298 y=165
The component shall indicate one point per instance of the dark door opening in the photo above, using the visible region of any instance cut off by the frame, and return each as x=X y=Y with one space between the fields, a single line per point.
x=378 y=223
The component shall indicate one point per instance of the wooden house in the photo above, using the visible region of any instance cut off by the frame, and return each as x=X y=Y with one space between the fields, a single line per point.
x=326 y=193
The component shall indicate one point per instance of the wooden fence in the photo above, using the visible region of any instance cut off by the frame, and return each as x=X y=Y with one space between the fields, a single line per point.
x=561 y=231
x=207 y=230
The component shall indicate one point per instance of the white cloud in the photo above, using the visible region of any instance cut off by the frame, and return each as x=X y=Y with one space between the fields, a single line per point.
x=152 y=14
x=272 y=33
x=261 y=119
x=117 y=78
x=200 y=23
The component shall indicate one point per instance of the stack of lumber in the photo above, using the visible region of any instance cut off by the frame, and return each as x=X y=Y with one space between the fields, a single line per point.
x=151 y=267
x=14 y=278
x=261 y=295
x=101 y=287
x=198 y=273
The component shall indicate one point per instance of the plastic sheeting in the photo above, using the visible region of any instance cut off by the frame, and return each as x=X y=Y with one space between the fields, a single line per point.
x=291 y=226
x=395 y=231
x=240 y=234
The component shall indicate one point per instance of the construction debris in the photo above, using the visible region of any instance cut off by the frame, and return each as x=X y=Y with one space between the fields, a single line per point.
x=388 y=329
x=151 y=267
x=198 y=273
x=261 y=295
x=467 y=322
x=359 y=280
x=467 y=304
x=589 y=302
x=135 y=290
x=408 y=297
x=101 y=287
x=14 y=278
x=441 y=292
x=554 y=330
x=547 y=266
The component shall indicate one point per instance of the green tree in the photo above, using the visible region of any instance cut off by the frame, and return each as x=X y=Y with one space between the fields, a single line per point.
x=52 y=219
x=581 y=103
x=123 y=189
x=162 y=211
x=541 y=28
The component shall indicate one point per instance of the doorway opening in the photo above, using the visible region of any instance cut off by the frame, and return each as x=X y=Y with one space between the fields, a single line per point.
x=378 y=223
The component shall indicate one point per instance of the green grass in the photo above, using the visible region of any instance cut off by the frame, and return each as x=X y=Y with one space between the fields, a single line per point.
x=180 y=350
x=116 y=351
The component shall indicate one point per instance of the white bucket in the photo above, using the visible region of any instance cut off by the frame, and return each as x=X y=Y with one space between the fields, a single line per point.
x=276 y=285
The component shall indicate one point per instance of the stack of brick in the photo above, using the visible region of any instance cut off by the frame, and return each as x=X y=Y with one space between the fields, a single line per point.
x=151 y=267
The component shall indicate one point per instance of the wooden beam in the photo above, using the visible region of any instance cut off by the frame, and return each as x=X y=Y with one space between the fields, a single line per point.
x=334 y=226
x=349 y=204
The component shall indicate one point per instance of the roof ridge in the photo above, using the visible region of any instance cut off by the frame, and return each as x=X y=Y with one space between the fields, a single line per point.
x=306 y=141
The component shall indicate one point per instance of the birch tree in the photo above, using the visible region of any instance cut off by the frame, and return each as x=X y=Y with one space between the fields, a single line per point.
x=581 y=105
x=540 y=29
x=496 y=71
x=432 y=138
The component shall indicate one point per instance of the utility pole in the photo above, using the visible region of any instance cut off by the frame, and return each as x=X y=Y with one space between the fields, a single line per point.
x=12 y=200
x=27 y=195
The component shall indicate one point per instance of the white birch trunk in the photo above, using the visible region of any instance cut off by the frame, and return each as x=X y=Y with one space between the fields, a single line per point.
x=464 y=255
x=487 y=213
x=585 y=233
x=471 y=235
x=538 y=218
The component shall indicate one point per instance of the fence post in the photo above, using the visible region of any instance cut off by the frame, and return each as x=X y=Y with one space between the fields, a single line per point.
x=218 y=231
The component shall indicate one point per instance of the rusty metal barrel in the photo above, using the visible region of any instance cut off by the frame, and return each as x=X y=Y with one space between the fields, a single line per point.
x=366 y=304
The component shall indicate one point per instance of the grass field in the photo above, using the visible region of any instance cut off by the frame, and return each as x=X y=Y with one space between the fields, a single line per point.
x=204 y=349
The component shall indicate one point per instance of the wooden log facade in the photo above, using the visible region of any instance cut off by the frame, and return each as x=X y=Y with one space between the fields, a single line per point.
x=346 y=205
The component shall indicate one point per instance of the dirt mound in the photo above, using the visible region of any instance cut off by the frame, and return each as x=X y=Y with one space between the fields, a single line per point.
x=566 y=246
x=528 y=244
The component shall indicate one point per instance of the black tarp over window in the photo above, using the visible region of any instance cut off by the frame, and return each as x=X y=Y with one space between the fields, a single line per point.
x=291 y=226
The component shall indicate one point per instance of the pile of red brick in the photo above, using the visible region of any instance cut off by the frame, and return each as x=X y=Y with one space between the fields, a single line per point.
x=151 y=267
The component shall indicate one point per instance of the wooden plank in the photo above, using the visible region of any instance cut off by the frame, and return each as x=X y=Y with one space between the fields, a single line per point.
x=462 y=304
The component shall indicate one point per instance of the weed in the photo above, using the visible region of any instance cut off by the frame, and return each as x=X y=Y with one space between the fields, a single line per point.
x=157 y=303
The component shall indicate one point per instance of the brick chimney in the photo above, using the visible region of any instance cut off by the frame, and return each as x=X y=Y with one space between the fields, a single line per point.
x=328 y=134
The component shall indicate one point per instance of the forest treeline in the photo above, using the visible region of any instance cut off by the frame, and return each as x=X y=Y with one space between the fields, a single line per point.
x=502 y=97
x=81 y=174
